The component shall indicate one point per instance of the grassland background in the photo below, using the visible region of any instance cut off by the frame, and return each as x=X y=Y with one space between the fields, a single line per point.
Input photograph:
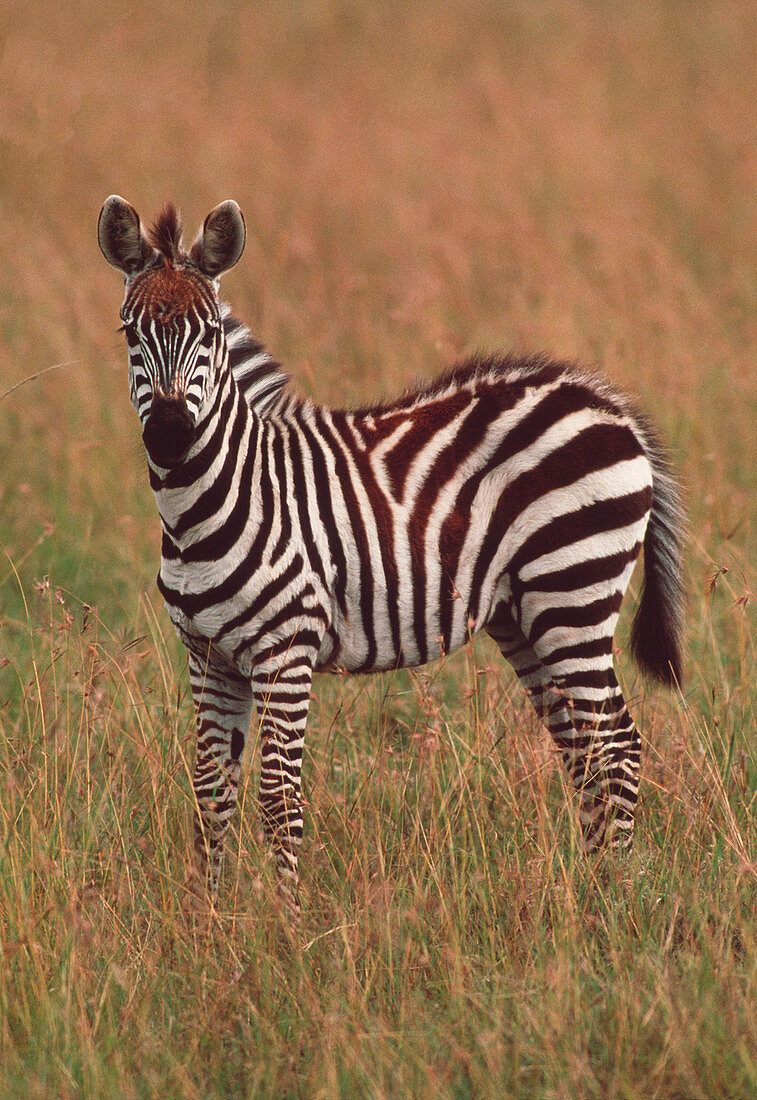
x=418 y=181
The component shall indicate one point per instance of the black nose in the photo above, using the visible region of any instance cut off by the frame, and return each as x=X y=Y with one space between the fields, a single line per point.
x=168 y=432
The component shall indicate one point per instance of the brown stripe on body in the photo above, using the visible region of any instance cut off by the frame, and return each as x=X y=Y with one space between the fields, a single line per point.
x=325 y=427
x=443 y=471
x=384 y=523
x=374 y=429
x=572 y=396
x=598 y=447
x=425 y=421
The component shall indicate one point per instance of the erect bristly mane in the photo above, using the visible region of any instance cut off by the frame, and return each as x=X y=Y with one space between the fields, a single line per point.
x=165 y=233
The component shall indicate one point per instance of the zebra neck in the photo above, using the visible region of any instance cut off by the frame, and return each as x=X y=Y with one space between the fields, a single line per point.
x=191 y=496
x=259 y=377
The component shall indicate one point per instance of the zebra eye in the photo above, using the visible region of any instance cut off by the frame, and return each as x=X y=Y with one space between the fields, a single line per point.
x=209 y=336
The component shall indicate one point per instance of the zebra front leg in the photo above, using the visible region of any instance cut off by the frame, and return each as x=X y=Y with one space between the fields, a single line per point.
x=223 y=702
x=282 y=699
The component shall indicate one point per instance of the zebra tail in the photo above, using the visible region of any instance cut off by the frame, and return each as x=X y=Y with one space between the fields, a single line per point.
x=658 y=625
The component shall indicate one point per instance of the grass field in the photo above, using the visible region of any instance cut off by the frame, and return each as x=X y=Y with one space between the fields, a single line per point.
x=418 y=181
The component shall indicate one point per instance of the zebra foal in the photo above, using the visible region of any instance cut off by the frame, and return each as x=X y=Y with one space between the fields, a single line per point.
x=509 y=495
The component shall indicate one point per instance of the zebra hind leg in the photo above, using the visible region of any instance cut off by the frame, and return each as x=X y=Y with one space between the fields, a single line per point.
x=596 y=736
x=604 y=747
x=223 y=703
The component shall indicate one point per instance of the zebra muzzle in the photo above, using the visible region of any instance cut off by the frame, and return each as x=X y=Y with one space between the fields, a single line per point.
x=169 y=431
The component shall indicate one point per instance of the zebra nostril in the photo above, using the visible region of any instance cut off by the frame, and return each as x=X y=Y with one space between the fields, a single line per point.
x=169 y=430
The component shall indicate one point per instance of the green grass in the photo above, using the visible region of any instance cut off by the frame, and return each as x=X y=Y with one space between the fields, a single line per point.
x=417 y=182
x=454 y=939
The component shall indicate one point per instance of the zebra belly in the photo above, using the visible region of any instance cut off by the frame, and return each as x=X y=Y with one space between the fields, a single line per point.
x=358 y=644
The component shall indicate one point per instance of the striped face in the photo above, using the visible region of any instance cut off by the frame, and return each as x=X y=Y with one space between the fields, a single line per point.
x=171 y=316
x=173 y=329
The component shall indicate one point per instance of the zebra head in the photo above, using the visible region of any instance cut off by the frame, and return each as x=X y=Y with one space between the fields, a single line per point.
x=171 y=316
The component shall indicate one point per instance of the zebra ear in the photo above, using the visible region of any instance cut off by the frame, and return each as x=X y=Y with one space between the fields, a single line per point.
x=221 y=240
x=120 y=236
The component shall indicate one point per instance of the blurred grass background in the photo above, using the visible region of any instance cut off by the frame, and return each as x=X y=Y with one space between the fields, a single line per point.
x=418 y=181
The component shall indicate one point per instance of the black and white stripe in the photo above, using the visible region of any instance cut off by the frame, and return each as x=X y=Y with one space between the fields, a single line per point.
x=511 y=496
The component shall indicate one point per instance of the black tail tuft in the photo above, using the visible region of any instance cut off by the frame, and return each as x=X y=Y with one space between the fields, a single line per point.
x=657 y=630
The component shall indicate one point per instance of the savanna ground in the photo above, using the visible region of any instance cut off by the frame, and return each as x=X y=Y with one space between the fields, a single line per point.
x=418 y=181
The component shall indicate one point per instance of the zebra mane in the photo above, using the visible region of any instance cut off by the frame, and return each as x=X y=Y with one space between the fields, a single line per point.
x=165 y=233
x=260 y=378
